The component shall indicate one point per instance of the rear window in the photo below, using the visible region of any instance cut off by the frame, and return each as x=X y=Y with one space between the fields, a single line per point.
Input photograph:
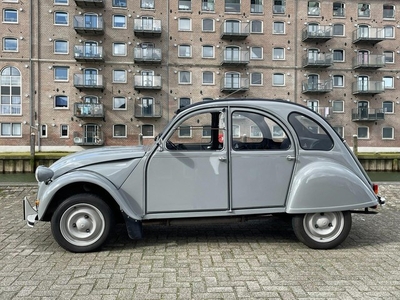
x=311 y=135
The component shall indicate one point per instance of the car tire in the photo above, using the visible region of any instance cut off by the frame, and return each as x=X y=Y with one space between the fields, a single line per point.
x=322 y=230
x=82 y=223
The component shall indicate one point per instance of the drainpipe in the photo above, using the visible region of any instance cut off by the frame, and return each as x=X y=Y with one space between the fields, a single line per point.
x=168 y=45
x=296 y=53
x=31 y=90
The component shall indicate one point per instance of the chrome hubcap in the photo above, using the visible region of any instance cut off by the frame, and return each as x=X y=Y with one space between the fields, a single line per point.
x=324 y=227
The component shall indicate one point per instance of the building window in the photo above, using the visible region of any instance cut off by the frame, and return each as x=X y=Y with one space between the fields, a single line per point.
x=338 y=55
x=148 y=130
x=388 y=107
x=338 y=30
x=60 y=47
x=278 y=54
x=278 y=79
x=256 y=6
x=64 y=130
x=10 y=92
x=184 y=51
x=61 y=73
x=256 y=78
x=338 y=81
x=313 y=8
x=60 y=101
x=185 y=24
x=119 y=21
x=232 y=5
x=256 y=53
x=185 y=132
x=208 y=25
x=208 y=77
x=185 y=5
x=338 y=9
x=185 y=77
x=60 y=1
x=279 y=28
x=119 y=76
x=339 y=130
x=119 y=130
x=119 y=103
x=208 y=52
x=43 y=130
x=207 y=5
x=389 y=57
x=388 y=82
x=11 y=129
x=10 y=44
x=388 y=31
x=184 y=102
x=119 y=49
x=145 y=4
x=363 y=132
x=279 y=6
x=60 y=18
x=338 y=106
x=256 y=26
x=388 y=133
x=10 y=16
x=364 y=10
x=388 y=11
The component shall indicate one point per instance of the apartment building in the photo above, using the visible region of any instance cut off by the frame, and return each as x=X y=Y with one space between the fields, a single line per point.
x=89 y=73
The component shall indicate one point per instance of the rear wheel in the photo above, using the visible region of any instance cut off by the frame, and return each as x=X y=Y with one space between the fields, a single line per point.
x=82 y=223
x=322 y=230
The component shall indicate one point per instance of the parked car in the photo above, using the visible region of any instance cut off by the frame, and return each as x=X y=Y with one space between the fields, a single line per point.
x=229 y=159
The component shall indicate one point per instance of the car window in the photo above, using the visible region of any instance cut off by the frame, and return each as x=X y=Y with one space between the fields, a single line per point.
x=199 y=132
x=253 y=131
x=311 y=135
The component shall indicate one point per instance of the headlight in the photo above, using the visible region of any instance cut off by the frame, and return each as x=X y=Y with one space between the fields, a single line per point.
x=43 y=174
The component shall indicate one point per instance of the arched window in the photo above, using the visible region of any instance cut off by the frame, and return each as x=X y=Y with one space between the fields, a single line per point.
x=10 y=92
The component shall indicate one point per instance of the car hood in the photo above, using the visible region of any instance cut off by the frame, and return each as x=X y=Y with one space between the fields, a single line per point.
x=96 y=156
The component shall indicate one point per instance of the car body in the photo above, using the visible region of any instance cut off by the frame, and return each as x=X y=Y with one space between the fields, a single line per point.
x=231 y=159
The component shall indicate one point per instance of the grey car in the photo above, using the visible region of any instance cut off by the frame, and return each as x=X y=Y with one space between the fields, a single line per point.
x=223 y=159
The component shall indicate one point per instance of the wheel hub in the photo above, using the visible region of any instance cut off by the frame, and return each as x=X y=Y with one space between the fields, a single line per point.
x=83 y=224
x=322 y=222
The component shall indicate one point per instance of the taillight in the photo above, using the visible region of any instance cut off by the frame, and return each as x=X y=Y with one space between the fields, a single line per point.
x=375 y=187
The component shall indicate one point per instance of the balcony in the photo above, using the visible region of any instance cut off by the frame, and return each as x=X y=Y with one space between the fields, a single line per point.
x=89 y=25
x=278 y=9
x=319 y=60
x=83 y=81
x=88 y=110
x=185 y=5
x=235 y=31
x=147 y=27
x=88 y=53
x=367 y=114
x=207 y=6
x=323 y=86
x=338 y=12
x=256 y=8
x=368 y=87
x=147 y=55
x=229 y=84
x=92 y=137
x=318 y=33
x=90 y=3
x=147 y=82
x=368 y=35
x=235 y=58
x=369 y=61
x=148 y=108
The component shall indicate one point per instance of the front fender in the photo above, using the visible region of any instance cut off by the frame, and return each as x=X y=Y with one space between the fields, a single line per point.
x=46 y=193
x=328 y=186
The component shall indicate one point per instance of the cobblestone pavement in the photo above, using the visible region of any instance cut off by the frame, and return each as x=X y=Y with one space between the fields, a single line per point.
x=258 y=259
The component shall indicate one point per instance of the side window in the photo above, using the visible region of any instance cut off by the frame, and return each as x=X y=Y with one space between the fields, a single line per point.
x=310 y=134
x=200 y=132
x=255 y=132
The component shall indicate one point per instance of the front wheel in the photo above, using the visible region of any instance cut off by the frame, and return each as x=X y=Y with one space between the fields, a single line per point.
x=322 y=230
x=82 y=223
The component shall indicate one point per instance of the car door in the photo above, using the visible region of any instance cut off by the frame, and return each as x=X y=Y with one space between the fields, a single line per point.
x=189 y=170
x=262 y=161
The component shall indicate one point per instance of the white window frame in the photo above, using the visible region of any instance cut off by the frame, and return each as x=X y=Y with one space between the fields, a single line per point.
x=207 y=46
x=358 y=133
x=208 y=30
x=64 y=136
x=333 y=81
x=256 y=57
x=5 y=39
x=152 y=129
x=10 y=10
x=184 y=98
x=274 y=81
x=125 y=135
x=276 y=57
x=343 y=55
x=180 y=77
x=114 y=19
x=55 y=68
x=333 y=106
x=61 y=3
x=208 y=83
x=278 y=32
x=55 y=18
x=115 y=107
x=386 y=79
x=252 y=128
x=261 y=29
x=114 y=47
x=43 y=131
x=344 y=30
x=385 y=53
x=60 y=107
x=385 y=28
x=392 y=107
x=60 y=41
x=189 y=47
x=392 y=132
x=261 y=79
x=11 y=124
x=180 y=135
x=122 y=72
x=182 y=26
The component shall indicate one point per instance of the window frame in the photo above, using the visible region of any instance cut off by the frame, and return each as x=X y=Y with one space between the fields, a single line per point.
x=181 y=99
x=391 y=107
x=275 y=82
x=9 y=39
x=62 y=79
x=183 y=28
x=343 y=29
x=367 y=133
x=206 y=73
x=341 y=110
x=392 y=133
x=391 y=57
x=5 y=10
x=208 y=30
x=261 y=79
x=393 y=9
x=56 y=97
x=125 y=134
x=149 y=126
x=207 y=47
x=261 y=26
x=338 y=51
x=385 y=80
x=338 y=85
x=147 y=4
x=181 y=76
x=12 y=130
x=261 y=57
x=123 y=72
x=274 y=31
x=115 y=46
x=56 y=15
x=124 y=101
x=55 y=47
x=385 y=29
x=181 y=47
x=277 y=57
x=64 y=131
x=114 y=21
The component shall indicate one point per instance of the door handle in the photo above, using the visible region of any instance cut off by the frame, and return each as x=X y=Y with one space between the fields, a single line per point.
x=290 y=157
x=222 y=158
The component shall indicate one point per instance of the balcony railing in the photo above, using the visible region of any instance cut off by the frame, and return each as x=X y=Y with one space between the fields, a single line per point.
x=239 y=57
x=314 y=11
x=368 y=87
x=369 y=61
x=278 y=9
x=91 y=25
x=323 y=86
x=207 y=6
x=88 y=110
x=145 y=108
x=338 y=12
x=236 y=31
x=89 y=138
x=90 y=3
x=88 y=81
x=147 y=27
x=320 y=33
x=367 y=114
x=88 y=53
x=229 y=84
x=256 y=8
x=147 y=82
x=147 y=55
x=319 y=60
x=370 y=35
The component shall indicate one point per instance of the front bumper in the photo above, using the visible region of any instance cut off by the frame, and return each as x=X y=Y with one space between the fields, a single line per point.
x=30 y=213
